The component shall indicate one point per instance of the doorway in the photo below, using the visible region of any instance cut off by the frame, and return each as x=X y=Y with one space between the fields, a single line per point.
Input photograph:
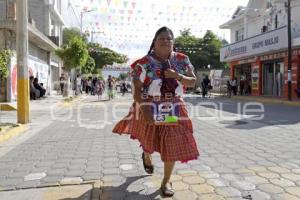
x=243 y=75
x=273 y=78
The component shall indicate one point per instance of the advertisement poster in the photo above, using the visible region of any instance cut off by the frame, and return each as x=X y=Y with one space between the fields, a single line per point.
x=37 y=69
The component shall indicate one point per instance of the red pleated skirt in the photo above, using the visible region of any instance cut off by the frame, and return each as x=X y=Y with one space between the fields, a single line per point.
x=174 y=143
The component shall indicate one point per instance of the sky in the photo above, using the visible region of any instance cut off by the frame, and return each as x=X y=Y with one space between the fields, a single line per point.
x=128 y=26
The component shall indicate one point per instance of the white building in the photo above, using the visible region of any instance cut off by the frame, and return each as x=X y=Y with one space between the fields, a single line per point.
x=258 y=50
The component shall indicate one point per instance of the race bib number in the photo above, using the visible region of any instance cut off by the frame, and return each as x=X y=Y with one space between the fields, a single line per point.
x=165 y=113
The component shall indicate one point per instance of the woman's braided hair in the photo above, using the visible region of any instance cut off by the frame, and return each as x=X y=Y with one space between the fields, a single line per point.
x=159 y=31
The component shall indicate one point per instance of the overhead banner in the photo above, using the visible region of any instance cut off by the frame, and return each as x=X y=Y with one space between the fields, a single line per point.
x=266 y=42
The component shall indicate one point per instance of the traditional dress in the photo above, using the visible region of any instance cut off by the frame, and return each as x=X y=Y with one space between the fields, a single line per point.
x=176 y=142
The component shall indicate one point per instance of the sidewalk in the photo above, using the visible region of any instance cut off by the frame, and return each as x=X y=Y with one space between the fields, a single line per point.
x=9 y=127
x=262 y=99
x=269 y=100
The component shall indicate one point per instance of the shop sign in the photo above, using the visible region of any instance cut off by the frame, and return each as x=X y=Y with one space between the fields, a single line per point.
x=250 y=60
x=255 y=77
x=273 y=56
x=266 y=42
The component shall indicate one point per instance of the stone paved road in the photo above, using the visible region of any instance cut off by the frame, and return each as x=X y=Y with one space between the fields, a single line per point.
x=240 y=158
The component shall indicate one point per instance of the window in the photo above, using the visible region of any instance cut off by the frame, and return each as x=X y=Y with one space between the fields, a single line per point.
x=239 y=35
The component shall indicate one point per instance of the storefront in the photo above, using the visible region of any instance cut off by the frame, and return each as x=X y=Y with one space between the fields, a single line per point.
x=243 y=74
x=261 y=61
x=273 y=74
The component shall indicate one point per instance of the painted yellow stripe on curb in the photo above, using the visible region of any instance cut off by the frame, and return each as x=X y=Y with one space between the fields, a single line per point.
x=23 y=100
x=11 y=133
x=7 y=107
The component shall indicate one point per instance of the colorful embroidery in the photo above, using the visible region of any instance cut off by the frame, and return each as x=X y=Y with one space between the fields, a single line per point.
x=152 y=69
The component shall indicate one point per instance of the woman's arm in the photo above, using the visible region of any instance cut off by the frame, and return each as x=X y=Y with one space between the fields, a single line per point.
x=141 y=104
x=137 y=88
x=189 y=79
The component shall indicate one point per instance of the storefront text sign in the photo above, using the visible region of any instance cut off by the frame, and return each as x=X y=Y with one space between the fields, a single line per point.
x=270 y=41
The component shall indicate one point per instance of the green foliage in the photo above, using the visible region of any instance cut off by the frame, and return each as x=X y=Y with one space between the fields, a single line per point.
x=4 y=60
x=104 y=56
x=89 y=67
x=70 y=33
x=201 y=51
x=191 y=44
x=75 y=54
x=89 y=57
x=98 y=73
x=123 y=76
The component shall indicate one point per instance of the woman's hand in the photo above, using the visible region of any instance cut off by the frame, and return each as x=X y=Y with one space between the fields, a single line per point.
x=170 y=73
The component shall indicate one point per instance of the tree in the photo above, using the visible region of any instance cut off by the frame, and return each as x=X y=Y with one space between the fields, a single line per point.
x=70 y=33
x=123 y=76
x=105 y=56
x=201 y=51
x=189 y=45
x=89 y=67
x=4 y=60
x=211 y=46
x=75 y=54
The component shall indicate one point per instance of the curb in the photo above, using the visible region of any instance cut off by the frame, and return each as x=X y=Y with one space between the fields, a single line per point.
x=7 y=107
x=269 y=101
x=6 y=135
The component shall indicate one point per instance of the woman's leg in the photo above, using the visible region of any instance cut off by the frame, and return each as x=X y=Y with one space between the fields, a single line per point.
x=148 y=160
x=168 y=169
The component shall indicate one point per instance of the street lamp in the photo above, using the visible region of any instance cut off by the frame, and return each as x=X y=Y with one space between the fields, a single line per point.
x=81 y=16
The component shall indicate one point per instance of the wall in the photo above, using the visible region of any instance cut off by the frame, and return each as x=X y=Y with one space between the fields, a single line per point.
x=295 y=63
x=40 y=13
x=2 y=10
x=257 y=19
x=254 y=26
x=38 y=52
x=234 y=29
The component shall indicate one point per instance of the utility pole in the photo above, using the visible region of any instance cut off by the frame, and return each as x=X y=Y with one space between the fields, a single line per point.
x=22 y=62
x=289 y=51
x=81 y=25
x=95 y=32
x=81 y=18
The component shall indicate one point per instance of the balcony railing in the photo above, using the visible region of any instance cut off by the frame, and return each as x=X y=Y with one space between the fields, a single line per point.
x=54 y=39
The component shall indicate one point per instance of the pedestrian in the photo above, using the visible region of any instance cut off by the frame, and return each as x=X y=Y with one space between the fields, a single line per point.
x=158 y=79
x=123 y=88
x=234 y=86
x=110 y=86
x=34 y=92
x=78 y=84
x=39 y=87
x=205 y=86
x=62 y=83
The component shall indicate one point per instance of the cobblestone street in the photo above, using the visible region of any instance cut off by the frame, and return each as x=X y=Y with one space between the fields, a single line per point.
x=71 y=145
